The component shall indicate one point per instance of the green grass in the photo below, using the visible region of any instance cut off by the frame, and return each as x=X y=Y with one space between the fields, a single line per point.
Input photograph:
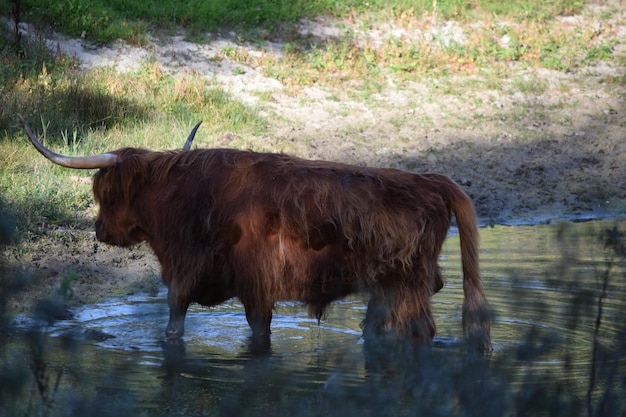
x=533 y=35
x=102 y=21
x=105 y=20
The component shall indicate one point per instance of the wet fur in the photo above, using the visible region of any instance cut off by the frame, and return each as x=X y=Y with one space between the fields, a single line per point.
x=268 y=227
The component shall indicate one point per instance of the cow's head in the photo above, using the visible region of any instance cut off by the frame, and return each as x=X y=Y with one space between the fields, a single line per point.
x=121 y=174
x=115 y=189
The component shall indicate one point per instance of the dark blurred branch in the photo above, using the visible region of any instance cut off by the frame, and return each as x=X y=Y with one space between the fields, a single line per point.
x=596 y=332
x=614 y=241
x=17 y=11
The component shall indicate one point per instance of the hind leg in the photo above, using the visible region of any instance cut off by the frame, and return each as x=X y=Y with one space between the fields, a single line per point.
x=401 y=311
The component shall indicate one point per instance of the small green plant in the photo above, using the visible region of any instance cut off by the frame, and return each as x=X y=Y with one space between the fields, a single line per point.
x=530 y=85
x=597 y=53
x=66 y=291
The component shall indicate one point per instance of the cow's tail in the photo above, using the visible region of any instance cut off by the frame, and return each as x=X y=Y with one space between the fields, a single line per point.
x=476 y=320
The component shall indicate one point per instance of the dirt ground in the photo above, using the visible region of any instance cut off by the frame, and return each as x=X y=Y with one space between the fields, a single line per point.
x=523 y=154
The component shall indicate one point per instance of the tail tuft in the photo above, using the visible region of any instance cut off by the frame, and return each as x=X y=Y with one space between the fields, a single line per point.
x=476 y=329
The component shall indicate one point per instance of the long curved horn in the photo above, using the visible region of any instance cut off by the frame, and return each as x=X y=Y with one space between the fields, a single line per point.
x=79 y=162
x=192 y=135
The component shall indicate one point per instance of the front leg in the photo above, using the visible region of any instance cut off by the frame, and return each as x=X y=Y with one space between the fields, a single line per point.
x=260 y=324
x=259 y=316
x=178 y=310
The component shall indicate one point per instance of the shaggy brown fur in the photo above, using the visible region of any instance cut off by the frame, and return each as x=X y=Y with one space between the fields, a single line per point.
x=268 y=227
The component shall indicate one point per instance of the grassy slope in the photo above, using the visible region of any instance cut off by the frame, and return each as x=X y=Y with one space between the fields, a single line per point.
x=87 y=112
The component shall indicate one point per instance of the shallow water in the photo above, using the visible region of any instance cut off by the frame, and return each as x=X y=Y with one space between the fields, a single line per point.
x=542 y=283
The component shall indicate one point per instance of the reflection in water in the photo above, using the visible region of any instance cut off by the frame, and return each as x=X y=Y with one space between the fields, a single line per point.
x=542 y=283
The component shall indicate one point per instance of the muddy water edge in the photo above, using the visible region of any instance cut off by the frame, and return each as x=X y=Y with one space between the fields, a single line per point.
x=553 y=353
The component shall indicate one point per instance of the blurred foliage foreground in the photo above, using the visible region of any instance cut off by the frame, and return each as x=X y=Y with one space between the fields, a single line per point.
x=45 y=376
